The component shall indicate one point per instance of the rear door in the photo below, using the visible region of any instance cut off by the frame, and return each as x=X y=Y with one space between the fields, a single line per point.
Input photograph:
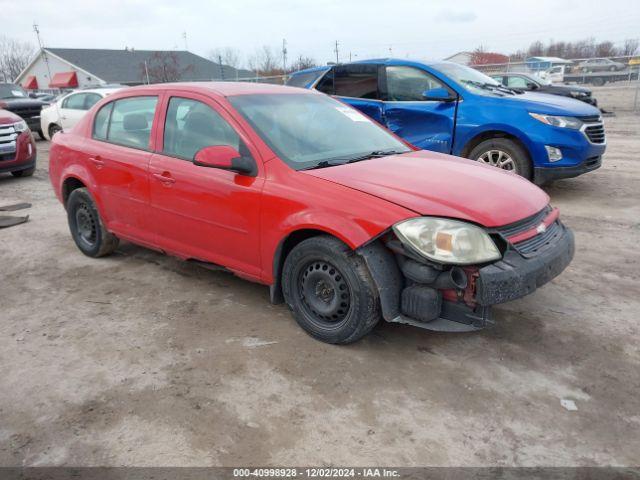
x=357 y=85
x=118 y=155
x=426 y=124
x=72 y=109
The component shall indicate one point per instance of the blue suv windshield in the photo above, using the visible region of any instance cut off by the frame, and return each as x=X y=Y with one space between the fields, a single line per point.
x=471 y=79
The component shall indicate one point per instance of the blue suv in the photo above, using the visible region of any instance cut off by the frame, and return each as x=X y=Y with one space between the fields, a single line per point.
x=450 y=108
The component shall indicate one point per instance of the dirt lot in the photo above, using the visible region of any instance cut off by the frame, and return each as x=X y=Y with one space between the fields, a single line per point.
x=140 y=359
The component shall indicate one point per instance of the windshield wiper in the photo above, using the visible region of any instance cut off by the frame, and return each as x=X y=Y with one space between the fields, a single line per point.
x=491 y=86
x=374 y=154
x=345 y=160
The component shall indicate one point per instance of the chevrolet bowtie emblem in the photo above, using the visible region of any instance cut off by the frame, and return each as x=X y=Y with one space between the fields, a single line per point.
x=541 y=228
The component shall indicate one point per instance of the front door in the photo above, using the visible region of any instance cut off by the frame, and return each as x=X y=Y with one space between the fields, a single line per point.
x=204 y=213
x=426 y=124
x=75 y=106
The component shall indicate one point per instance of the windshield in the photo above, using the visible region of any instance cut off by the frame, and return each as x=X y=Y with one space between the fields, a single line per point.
x=313 y=130
x=469 y=78
x=8 y=90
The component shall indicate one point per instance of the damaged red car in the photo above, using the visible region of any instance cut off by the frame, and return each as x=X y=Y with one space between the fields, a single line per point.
x=344 y=221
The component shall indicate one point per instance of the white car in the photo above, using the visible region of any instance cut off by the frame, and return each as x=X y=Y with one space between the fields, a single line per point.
x=65 y=112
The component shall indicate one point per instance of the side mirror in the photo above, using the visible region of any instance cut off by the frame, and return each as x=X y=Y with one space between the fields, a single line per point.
x=225 y=157
x=438 y=95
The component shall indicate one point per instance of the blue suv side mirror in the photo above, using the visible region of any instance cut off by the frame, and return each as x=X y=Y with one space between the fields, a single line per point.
x=438 y=95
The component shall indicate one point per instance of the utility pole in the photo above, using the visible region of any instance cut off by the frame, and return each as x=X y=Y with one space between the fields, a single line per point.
x=337 y=53
x=184 y=36
x=221 y=67
x=42 y=51
x=284 y=55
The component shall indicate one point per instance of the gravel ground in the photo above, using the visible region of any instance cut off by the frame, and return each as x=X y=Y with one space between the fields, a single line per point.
x=140 y=359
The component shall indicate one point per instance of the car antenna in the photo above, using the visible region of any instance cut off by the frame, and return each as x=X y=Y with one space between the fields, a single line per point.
x=43 y=52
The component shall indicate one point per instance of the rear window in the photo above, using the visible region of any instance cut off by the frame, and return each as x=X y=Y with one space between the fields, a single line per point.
x=304 y=79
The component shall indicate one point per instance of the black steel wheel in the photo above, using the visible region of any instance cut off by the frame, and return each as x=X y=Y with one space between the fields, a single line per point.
x=324 y=294
x=329 y=290
x=87 y=228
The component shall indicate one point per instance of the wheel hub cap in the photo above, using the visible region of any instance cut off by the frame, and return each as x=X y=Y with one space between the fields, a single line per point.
x=324 y=292
x=500 y=159
x=85 y=225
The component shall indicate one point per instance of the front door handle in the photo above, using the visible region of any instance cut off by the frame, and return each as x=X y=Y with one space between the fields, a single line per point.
x=165 y=178
x=97 y=161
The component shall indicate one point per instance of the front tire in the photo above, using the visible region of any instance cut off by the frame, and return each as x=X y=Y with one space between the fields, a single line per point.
x=87 y=228
x=503 y=153
x=329 y=290
x=41 y=135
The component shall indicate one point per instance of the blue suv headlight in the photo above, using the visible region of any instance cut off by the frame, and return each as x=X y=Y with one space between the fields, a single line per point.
x=558 y=121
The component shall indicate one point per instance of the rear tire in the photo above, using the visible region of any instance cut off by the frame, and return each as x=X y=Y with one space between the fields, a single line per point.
x=329 y=290
x=24 y=173
x=87 y=228
x=503 y=153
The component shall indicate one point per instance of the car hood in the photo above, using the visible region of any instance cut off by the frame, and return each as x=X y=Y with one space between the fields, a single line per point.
x=6 y=117
x=552 y=104
x=429 y=183
x=15 y=102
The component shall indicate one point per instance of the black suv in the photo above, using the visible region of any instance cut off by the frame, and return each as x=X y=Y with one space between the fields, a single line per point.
x=15 y=99
x=523 y=81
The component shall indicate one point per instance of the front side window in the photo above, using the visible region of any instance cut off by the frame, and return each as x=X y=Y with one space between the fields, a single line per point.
x=409 y=84
x=91 y=99
x=126 y=122
x=307 y=130
x=192 y=125
x=356 y=81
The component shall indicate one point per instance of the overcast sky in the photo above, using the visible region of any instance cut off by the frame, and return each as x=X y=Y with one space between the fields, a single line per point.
x=428 y=29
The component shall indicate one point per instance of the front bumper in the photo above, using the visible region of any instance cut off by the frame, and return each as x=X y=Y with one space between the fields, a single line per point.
x=406 y=299
x=543 y=175
x=516 y=276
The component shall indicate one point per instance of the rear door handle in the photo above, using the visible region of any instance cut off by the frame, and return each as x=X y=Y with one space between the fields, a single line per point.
x=97 y=161
x=165 y=178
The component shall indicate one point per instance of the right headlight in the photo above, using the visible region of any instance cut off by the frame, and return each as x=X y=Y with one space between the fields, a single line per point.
x=20 y=126
x=447 y=241
x=558 y=121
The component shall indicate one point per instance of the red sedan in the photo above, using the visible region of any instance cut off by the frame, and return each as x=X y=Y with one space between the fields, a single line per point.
x=293 y=189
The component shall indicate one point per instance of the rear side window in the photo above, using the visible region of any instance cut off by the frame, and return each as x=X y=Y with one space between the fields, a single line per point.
x=128 y=122
x=304 y=79
x=101 y=122
x=192 y=125
x=91 y=99
x=357 y=81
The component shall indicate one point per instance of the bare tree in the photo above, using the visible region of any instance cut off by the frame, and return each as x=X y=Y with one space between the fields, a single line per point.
x=264 y=62
x=630 y=47
x=14 y=57
x=229 y=55
x=302 y=62
x=163 y=67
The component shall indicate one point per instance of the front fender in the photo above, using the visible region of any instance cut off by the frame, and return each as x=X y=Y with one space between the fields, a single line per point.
x=466 y=135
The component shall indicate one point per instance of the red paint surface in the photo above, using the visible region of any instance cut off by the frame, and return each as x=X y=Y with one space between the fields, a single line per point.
x=238 y=221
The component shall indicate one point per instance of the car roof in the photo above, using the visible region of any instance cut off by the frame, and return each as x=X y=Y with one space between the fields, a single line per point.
x=224 y=89
x=380 y=61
